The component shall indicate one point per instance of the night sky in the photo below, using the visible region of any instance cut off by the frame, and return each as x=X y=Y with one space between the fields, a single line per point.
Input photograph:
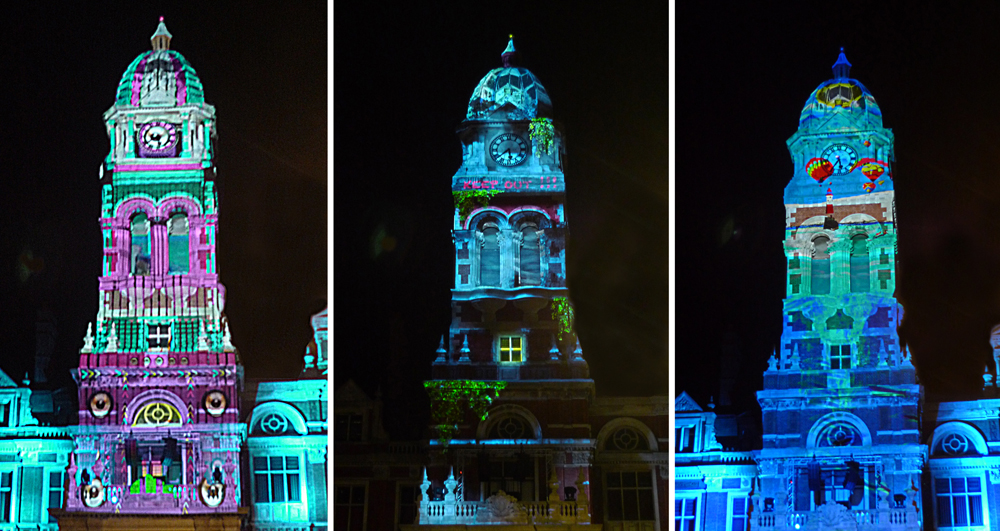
x=403 y=76
x=743 y=73
x=264 y=68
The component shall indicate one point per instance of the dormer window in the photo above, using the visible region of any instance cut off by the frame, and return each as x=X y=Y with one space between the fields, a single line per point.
x=159 y=337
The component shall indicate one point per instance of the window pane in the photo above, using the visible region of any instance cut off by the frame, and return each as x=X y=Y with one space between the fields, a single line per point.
x=961 y=517
x=343 y=495
x=944 y=511
x=277 y=463
x=614 y=504
x=646 y=505
x=261 y=489
x=958 y=485
x=291 y=463
x=293 y=487
x=277 y=488
x=260 y=463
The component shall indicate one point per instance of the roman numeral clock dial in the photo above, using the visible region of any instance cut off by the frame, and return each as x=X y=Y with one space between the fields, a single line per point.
x=508 y=149
x=842 y=157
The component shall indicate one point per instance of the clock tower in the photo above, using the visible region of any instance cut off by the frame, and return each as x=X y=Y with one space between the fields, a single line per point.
x=512 y=322
x=158 y=441
x=840 y=400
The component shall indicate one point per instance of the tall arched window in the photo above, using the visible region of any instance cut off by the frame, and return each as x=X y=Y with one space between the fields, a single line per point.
x=860 y=276
x=177 y=232
x=489 y=258
x=821 y=266
x=140 y=244
x=530 y=273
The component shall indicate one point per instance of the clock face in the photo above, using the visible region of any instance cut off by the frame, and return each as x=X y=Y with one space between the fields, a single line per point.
x=842 y=157
x=509 y=149
x=158 y=136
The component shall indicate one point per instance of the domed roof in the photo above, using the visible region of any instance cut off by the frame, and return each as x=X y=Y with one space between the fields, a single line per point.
x=160 y=77
x=509 y=89
x=838 y=96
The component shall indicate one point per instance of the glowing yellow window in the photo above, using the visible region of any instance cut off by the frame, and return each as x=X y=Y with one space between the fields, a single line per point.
x=510 y=349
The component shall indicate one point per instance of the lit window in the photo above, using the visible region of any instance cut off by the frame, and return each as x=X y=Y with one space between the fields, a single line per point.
x=159 y=337
x=177 y=245
x=276 y=479
x=349 y=508
x=630 y=498
x=959 y=502
x=511 y=350
x=840 y=357
x=140 y=245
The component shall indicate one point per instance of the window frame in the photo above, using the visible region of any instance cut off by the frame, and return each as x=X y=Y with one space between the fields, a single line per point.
x=416 y=502
x=284 y=473
x=159 y=335
x=335 y=505
x=983 y=503
x=678 y=515
x=654 y=495
x=730 y=507
x=522 y=349
x=840 y=357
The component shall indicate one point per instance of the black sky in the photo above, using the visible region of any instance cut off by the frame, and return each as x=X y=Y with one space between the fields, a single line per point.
x=744 y=70
x=404 y=73
x=264 y=69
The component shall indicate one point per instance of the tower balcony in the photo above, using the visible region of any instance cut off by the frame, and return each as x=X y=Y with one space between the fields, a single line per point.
x=835 y=516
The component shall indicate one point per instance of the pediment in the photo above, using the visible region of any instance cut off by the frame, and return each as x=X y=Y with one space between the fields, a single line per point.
x=684 y=402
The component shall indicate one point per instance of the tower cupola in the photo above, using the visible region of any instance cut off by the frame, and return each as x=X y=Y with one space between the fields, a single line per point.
x=161 y=38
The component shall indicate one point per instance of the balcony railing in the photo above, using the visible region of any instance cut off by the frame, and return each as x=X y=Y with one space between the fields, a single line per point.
x=502 y=508
x=885 y=518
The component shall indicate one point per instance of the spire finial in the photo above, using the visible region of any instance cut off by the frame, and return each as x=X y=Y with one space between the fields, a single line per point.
x=161 y=38
x=842 y=68
x=508 y=53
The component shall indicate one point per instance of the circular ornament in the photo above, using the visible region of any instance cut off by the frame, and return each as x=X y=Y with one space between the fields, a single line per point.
x=955 y=444
x=274 y=424
x=508 y=149
x=212 y=494
x=92 y=495
x=215 y=403
x=158 y=136
x=100 y=404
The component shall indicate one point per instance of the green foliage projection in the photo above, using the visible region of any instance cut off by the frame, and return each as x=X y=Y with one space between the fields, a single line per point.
x=562 y=312
x=451 y=398
x=468 y=200
x=542 y=134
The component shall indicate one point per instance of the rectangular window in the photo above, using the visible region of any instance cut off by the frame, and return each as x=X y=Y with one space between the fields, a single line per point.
x=959 y=502
x=55 y=493
x=630 y=497
x=840 y=357
x=513 y=476
x=349 y=508
x=5 y=415
x=408 y=505
x=29 y=506
x=347 y=427
x=159 y=337
x=276 y=479
x=738 y=514
x=685 y=514
x=6 y=484
x=685 y=439
x=511 y=349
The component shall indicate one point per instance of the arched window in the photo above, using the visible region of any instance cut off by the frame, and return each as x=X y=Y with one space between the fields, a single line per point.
x=511 y=427
x=177 y=231
x=840 y=434
x=140 y=244
x=821 y=266
x=530 y=273
x=627 y=439
x=489 y=258
x=859 y=264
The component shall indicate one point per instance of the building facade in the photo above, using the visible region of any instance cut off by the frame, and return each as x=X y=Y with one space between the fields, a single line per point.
x=159 y=436
x=287 y=444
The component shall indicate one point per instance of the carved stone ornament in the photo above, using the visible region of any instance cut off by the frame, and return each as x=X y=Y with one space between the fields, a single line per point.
x=832 y=517
x=502 y=506
x=994 y=476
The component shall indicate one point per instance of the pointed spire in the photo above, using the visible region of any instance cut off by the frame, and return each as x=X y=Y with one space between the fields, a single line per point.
x=578 y=351
x=227 y=339
x=88 y=340
x=554 y=351
x=441 y=352
x=161 y=38
x=842 y=68
x=508 y=53
x=112 y=339
x=202 y=337
x=464 y=358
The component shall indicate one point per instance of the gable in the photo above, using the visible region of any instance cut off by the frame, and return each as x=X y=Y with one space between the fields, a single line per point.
x=684 y=402
x=5 y=380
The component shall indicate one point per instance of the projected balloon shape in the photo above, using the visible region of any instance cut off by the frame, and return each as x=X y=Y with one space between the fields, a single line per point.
x=819 y=169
